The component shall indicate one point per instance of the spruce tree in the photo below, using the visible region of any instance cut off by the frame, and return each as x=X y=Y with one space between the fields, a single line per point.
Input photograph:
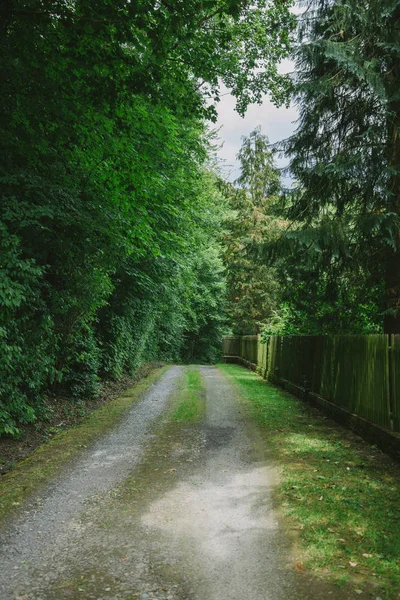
x=346 y=151
x=252 y=285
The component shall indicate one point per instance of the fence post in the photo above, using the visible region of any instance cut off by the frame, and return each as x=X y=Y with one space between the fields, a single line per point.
x=267 y=357
x=390 y=378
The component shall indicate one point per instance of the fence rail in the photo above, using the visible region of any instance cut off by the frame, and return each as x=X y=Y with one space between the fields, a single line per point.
x=359 y=373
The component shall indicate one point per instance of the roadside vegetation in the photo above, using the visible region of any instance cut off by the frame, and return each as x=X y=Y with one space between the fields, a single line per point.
x=109 y=214
x=336 y=491
x=120 y=242
x=43 y=464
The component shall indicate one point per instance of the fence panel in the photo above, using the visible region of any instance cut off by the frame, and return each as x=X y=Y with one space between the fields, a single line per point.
x=262 y=352
x=297 y=359
x=360 y=376
x=249 y=348
x=395 y=381
x=351 y=371
x=231 y=345
x=275 y=356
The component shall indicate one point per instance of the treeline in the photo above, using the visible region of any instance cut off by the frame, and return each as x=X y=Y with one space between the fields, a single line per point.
x=343 y=247
x=323 y=257
x=118 y=242
x=109 y=214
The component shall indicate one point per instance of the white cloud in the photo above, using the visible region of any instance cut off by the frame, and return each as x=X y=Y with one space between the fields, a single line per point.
x=276 y=123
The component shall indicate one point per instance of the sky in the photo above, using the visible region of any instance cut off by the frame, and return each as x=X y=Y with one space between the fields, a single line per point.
x=276 y=123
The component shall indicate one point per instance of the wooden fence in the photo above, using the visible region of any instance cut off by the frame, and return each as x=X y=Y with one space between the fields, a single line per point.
x=358 y=373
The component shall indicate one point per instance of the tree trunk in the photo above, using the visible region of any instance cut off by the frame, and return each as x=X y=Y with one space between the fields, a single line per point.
x=392 y=319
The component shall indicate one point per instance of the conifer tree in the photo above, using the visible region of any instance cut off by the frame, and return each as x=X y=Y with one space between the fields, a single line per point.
x=346 y=151
x=252 y=285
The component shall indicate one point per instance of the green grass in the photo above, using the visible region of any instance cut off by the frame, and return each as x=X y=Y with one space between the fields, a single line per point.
x=49 y=458
x=191 y=398
x=341 y=494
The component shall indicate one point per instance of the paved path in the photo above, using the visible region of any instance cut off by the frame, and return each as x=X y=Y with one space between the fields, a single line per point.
x=159 y=510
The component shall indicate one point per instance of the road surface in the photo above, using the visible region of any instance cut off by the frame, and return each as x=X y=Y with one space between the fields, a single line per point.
x=160 y=510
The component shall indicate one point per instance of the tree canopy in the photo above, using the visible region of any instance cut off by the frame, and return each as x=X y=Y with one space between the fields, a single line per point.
x=345 y=157
x=337 y=260
x=118 y=243
x=109 y=215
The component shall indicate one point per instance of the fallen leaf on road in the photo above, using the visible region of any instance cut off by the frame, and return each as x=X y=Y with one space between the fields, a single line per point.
x=299 y=567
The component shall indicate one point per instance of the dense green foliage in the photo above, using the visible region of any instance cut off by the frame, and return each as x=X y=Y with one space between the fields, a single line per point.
x=324 y=256
x=251 y=284
x=340 y=257
x=334 y=264
x=108 y=216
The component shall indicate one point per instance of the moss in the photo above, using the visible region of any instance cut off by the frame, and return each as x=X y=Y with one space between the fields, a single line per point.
x=48 y=459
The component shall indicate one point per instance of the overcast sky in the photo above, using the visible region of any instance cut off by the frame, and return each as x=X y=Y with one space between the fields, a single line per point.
x=276 y=123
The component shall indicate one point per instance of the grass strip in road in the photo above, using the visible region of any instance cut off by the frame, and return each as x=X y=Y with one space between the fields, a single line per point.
x=191 y=398
x=49 y=458
x=340 y=493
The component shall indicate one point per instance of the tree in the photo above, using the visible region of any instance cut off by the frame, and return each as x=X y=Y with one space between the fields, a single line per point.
x=346 y=155
x=252 y=285
x=103 y=133
x=258 y=173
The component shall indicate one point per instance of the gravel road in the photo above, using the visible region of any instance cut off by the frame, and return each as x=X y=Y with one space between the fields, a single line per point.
x=33 y=548
x=160 y=510
x=219 y=520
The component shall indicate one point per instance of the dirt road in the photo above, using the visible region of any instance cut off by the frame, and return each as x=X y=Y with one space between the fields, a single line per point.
x=158 y=509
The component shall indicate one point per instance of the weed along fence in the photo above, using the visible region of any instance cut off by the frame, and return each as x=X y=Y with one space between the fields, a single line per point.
x=350 y=375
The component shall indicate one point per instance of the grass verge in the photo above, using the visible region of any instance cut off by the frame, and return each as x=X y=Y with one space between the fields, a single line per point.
x=338 y=491
x=48 y=459
x=191 y=398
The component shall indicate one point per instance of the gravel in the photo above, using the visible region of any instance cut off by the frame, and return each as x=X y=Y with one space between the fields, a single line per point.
x=159 y=510
x=50 y=524
x=219 y=521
